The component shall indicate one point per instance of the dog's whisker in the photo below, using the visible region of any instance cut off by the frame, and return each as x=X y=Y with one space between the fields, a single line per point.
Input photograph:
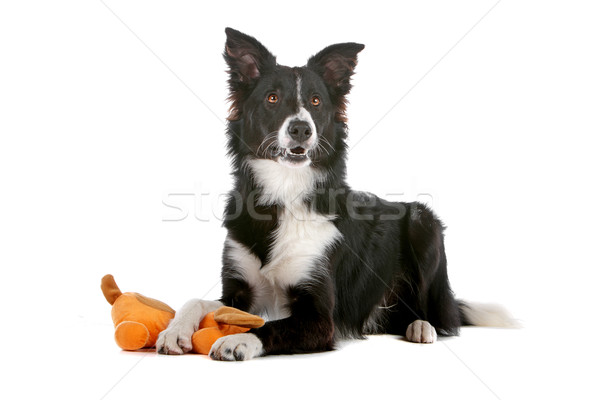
x=327 y=143
x=271 y=146
x=269 y=137
x=323 y=149
x=264 y=141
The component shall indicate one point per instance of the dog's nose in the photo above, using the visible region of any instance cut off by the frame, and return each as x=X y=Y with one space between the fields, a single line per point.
x=299 y=130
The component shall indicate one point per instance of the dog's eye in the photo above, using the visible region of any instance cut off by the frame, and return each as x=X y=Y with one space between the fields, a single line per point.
x=315 y=101
x=272 y=98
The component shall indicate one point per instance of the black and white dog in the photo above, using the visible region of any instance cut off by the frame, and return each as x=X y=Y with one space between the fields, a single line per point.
x=318 y=260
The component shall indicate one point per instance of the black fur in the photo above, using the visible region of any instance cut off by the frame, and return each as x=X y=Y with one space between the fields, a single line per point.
x=388 y=270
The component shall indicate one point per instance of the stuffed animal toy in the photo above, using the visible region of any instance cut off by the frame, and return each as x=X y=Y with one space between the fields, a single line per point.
x=224 y=321
x=139 y=319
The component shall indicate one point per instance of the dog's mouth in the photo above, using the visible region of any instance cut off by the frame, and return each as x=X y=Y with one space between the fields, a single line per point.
x=294 y=157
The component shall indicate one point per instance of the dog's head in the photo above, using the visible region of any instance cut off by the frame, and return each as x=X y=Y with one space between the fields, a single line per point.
x=289 y=115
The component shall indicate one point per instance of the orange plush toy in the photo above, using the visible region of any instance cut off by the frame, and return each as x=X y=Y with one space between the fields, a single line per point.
x=139 y=319
x=225 y=321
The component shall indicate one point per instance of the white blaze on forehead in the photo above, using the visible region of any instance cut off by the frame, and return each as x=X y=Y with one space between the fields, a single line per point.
x=301 y=115
x=299 y=91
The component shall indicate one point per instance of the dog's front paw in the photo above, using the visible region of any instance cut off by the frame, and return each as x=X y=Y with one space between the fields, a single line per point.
x=240 y=347
x=174 y=340
x=421 y=332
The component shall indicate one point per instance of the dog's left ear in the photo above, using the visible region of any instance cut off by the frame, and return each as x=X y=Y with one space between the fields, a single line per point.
x=336 y=64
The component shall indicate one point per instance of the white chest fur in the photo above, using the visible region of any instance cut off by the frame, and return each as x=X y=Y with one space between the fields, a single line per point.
x=300 y=241
x=300 y=244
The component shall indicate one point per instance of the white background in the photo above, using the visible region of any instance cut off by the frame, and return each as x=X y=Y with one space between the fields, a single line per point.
x=110 y=110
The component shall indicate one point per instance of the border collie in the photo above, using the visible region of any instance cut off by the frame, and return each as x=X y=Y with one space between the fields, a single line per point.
x=316 y=259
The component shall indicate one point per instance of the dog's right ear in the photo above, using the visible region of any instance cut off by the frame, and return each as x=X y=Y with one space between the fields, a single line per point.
x=246 y=57
x=248 y=60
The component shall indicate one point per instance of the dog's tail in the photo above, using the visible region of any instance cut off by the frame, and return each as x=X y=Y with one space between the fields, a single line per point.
x=485 y=314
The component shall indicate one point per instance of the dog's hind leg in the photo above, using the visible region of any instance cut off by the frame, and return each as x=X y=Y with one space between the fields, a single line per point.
x=421 y=332
x=425 y=305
